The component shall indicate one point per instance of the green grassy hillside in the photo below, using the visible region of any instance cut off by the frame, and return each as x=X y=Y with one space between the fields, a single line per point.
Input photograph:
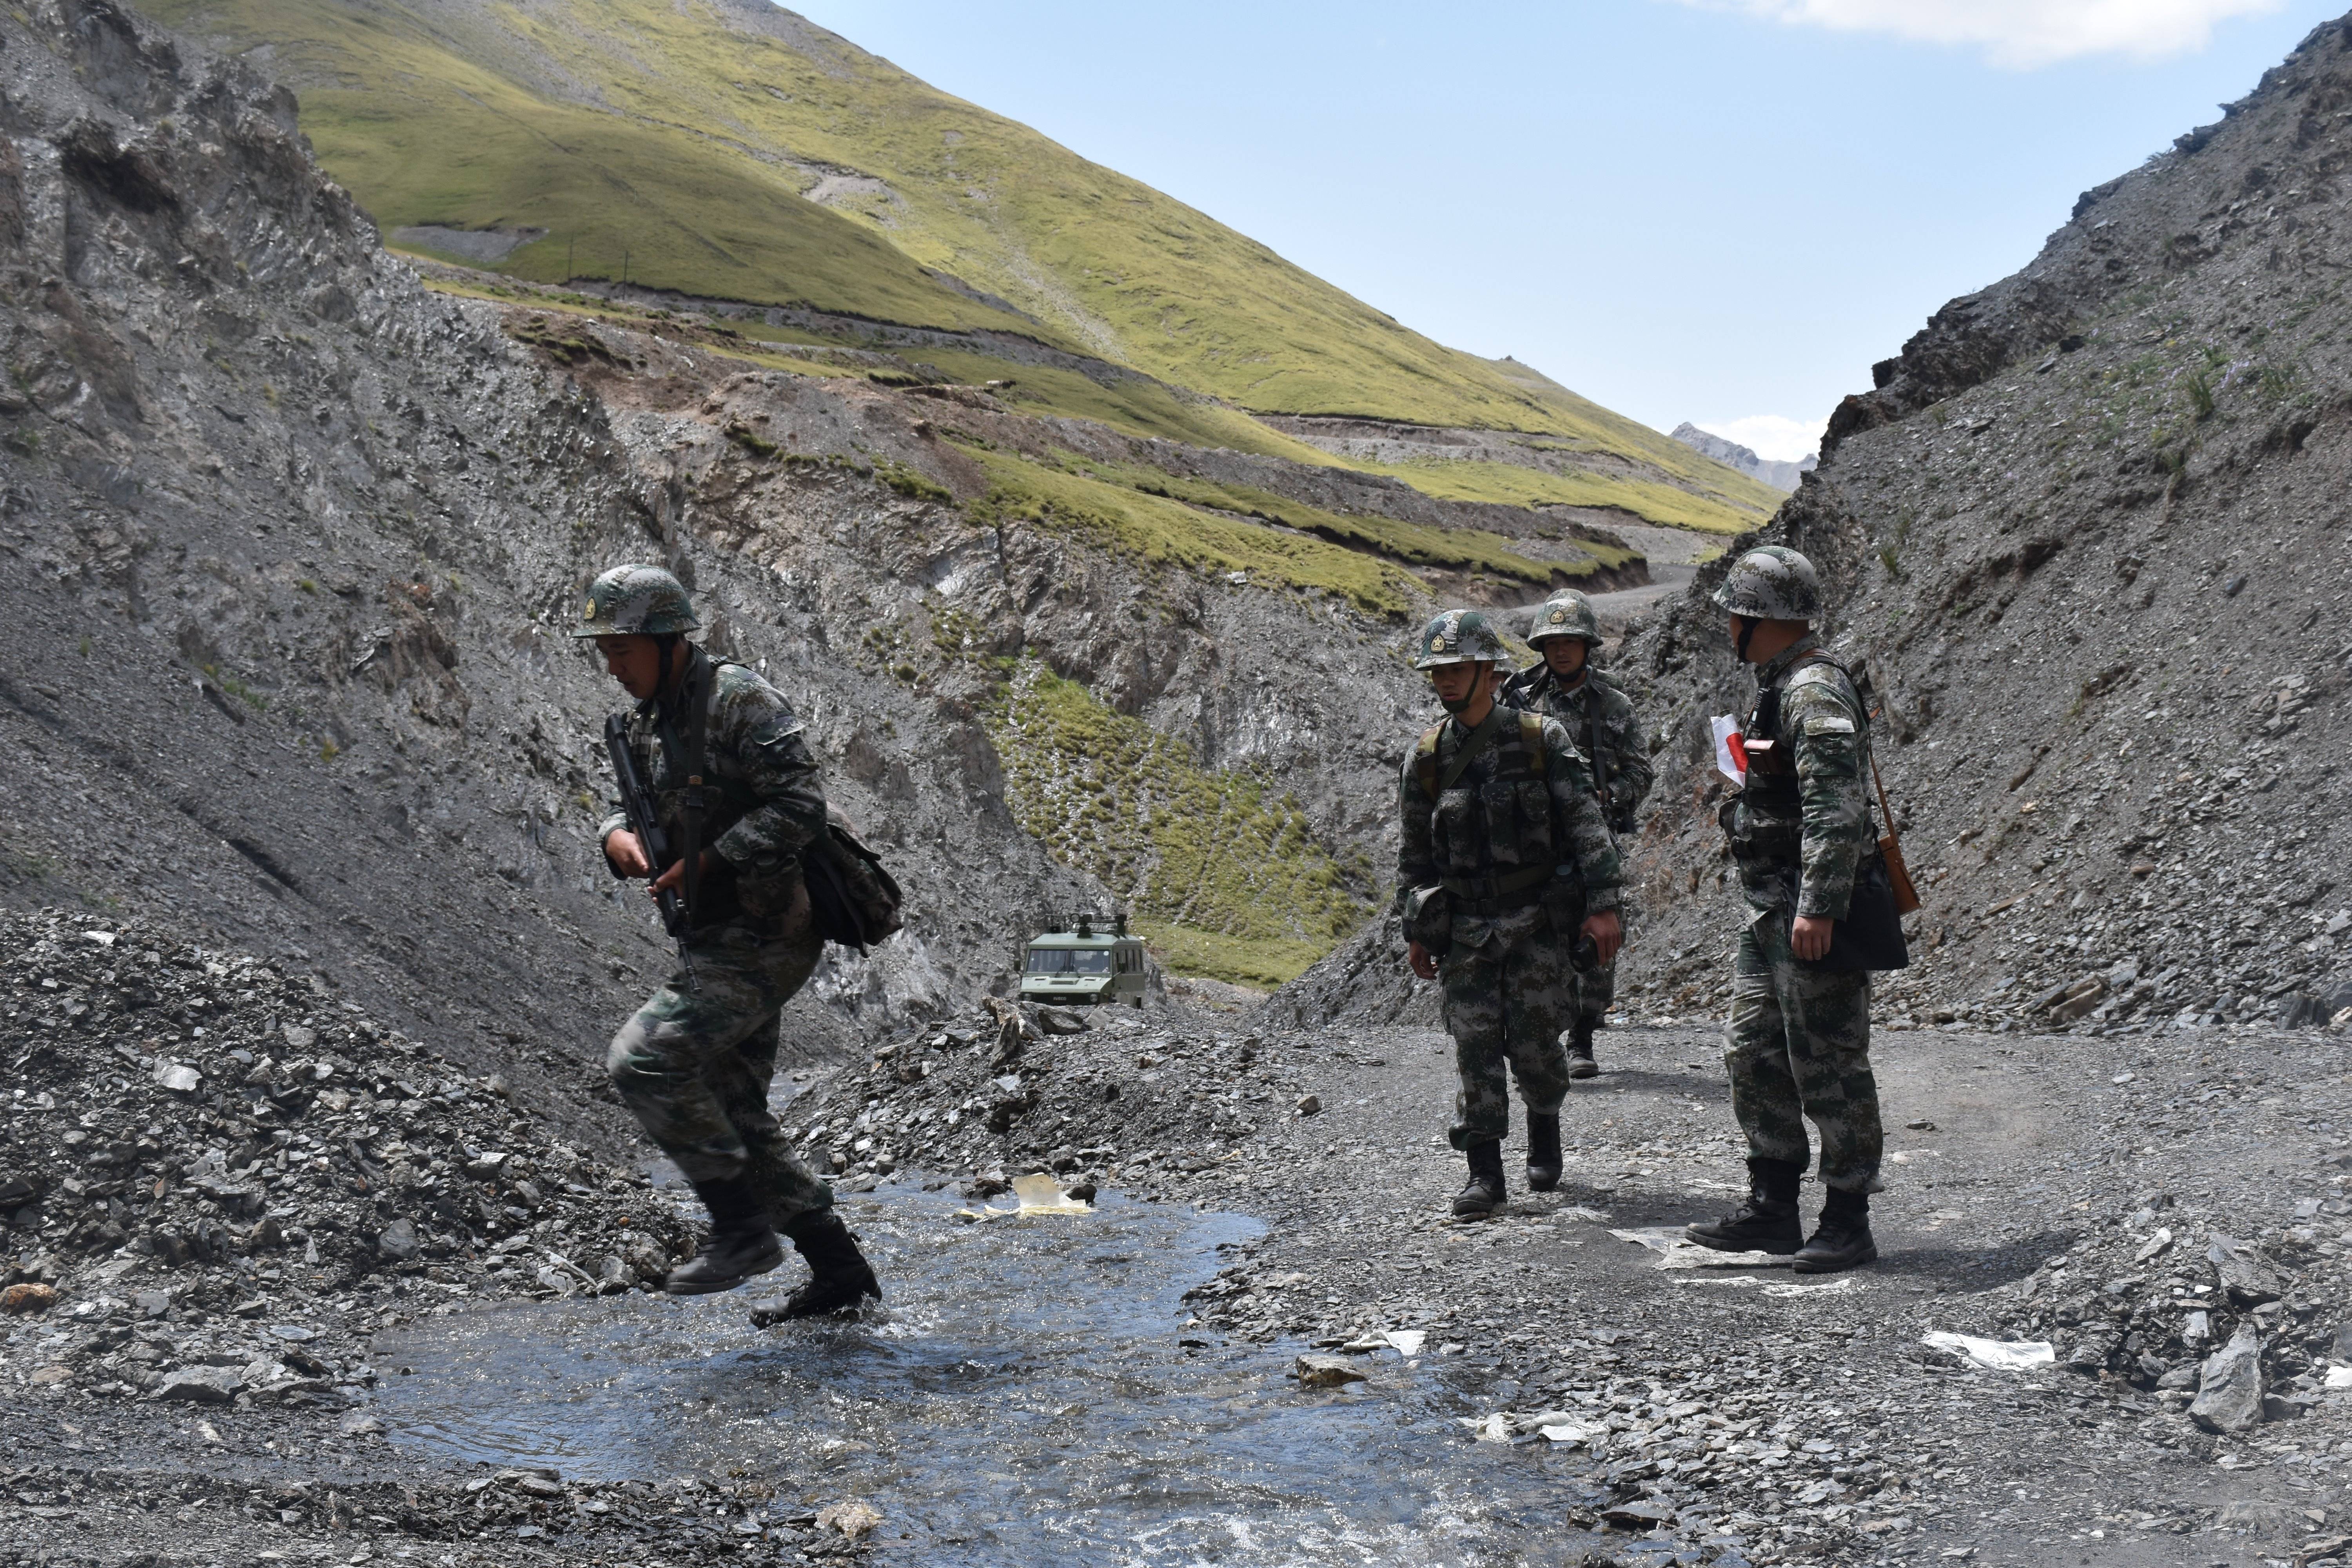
x=680 y=137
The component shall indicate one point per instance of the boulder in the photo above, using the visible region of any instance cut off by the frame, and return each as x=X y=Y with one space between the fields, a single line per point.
x=201 y=1384
x=2229 y=1388
x=2243 y=1271
x=1324 y=1371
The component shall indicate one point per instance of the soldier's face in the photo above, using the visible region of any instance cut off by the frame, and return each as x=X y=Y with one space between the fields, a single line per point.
x=1566 y=656
x=1454 y=683
x=634 y=662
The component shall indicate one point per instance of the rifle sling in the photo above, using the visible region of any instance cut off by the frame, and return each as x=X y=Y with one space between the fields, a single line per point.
x=1481 y=739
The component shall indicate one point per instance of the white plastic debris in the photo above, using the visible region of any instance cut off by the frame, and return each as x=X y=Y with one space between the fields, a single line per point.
x=1676 y=1251
x=1406 y=1341
x=1040 y=1193
x=1569 y=1433
x=2001 y=1356
x=2338 y=1377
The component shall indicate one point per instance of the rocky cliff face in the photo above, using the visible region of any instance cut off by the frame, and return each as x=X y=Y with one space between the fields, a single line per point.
x=292 y=543
x=2088 y=534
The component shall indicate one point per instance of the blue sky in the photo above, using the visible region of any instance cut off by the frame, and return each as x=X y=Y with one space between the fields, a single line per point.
x=1714 y=210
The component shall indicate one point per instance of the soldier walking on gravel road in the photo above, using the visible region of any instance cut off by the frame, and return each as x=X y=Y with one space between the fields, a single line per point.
x=1506 y=862
x=1821 y=916
x=1601 y=718
x=737 y=799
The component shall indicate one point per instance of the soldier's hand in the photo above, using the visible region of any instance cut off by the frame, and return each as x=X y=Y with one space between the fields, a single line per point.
x=1422 y=964
x=628 y=855
x=1608 y=933
x=1810 y=937
x=675 y=877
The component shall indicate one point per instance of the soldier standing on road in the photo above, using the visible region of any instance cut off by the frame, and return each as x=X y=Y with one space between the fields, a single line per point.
x=1506 y=861
x=693 y=1066
x=1599 y=717
x=1802 y=832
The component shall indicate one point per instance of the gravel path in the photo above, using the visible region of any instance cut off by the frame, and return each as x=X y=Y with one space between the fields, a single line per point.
x=2060 y=1189
x=2158 y=1210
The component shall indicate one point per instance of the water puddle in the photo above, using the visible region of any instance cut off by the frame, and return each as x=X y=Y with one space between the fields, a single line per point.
x=1023 y=1400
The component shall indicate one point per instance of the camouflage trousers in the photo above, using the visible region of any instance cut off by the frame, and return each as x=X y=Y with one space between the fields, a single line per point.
x=693 y=1065
x=1799 y=1048
x=1508 y=990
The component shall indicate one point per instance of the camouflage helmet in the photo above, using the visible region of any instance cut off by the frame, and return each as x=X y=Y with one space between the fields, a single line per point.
x=643 y=600
x=1459 y=636
x=1567 y=613
x=1771 y=583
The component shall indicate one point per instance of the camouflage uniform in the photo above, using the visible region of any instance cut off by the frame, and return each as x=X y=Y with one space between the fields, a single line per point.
x=1799 y=1034
x=1508 y=984
x=694 y=1064
x=1601 y=717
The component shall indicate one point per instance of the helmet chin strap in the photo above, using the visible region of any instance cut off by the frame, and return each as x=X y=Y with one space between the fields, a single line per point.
x=1747 y=629
x=1455 y=705
x=668 y=646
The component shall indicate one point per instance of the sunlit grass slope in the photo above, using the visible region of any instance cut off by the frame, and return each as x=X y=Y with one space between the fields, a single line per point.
x=680 y=131
x=1222 y=871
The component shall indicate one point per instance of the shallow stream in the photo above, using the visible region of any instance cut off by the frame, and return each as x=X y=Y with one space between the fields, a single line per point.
x=1027 y=1397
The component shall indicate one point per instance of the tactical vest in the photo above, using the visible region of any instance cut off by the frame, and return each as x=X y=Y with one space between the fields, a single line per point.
x=1767 y=818
x=663 y=751
x=1495 y=843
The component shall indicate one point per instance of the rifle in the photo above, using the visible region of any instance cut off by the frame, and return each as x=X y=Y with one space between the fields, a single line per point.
x=637 y=804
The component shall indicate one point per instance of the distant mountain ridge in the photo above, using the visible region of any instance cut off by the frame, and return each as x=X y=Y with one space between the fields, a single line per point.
x=1780 y=474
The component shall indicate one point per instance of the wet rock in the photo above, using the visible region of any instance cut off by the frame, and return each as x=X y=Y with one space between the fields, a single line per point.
x=1325 y=1371
x=2230 y=1387
x=201 y=1384
x=851 y=1521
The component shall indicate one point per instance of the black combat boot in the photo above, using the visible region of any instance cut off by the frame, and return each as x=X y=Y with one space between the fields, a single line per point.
x=1483 y=1194
x=1842 y=1241
x=840 y=1280
x=741 y=1242
x=1580 y=1050
x=1767 y=1222
x=1543 y=1151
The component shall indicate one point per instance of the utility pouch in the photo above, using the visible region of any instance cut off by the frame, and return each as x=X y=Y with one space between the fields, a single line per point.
x=1429 y=919
x=1871 y=935
x=852 y=900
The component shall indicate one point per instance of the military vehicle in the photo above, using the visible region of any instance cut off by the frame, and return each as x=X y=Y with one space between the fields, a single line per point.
x=1087 y=960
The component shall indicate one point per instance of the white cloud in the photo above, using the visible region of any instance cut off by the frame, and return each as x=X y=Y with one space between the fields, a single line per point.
x=2020 y=35
x=1773 y=437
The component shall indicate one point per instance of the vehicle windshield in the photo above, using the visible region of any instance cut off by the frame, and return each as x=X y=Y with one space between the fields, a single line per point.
x=1069 y=961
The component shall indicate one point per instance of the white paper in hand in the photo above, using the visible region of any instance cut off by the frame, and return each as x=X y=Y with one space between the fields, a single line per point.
x=1731 y=751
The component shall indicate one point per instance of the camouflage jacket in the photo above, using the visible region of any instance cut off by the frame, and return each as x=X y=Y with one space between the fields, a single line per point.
x=1600 y=716
x=1510 y=814
x=1802 y=826
x=763 y=796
